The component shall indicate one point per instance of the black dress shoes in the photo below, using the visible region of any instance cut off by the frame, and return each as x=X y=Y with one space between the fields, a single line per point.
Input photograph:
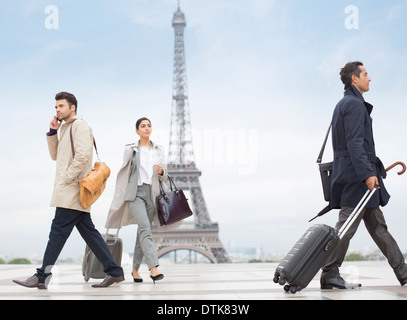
x=403 y=281
x=31 y=282
x=338 y=282
x=136 y=279
x=159 y=276
x=108 y=281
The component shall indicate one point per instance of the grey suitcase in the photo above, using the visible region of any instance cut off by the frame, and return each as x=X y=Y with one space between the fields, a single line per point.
x=308 y=255
x=91 y=266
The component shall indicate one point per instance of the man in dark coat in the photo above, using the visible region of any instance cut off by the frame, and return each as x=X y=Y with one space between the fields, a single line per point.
x=356 y=168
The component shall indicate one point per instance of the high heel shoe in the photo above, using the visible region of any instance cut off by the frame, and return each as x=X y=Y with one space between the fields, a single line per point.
x=136 y=279
x=157 y=277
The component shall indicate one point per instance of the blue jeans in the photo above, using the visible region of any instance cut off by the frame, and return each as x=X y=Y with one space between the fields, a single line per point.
x=62 y=225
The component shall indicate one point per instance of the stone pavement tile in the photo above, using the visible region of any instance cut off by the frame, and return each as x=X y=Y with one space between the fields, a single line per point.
x=221 y=282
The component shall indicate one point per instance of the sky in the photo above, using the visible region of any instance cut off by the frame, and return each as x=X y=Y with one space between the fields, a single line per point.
x=263 y=80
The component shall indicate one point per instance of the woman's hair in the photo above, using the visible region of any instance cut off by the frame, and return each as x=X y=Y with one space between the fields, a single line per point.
x=350 y=69
x=140 y=120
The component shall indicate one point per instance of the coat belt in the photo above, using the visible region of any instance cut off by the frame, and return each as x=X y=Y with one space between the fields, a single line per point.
x=372 y=159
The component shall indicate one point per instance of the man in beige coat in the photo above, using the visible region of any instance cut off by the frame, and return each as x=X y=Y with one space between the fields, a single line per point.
x=69 y=212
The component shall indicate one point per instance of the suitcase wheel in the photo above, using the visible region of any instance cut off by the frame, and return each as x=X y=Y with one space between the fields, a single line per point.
x=291 y=289
x=282 y=281
x=279 y=279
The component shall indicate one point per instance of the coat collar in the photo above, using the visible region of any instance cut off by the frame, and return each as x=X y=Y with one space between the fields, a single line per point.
x=70 y=122
x=351 y=90
x=136 y=146
x=77 y=117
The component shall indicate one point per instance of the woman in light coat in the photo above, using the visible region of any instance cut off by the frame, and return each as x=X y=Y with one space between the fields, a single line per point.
x=137 y=186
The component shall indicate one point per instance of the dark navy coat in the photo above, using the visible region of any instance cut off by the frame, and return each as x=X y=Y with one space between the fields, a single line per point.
x=354 y=153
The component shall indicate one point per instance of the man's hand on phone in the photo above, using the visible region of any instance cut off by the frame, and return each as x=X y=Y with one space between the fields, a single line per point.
x=55 y=123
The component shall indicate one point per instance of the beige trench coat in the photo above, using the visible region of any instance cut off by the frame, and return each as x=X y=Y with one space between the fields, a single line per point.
x=70 y=170
x=119 y=213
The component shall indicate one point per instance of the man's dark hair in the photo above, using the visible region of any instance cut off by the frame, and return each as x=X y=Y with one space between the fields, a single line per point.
x=350 y=69
x=68 y=97
x=139 y=121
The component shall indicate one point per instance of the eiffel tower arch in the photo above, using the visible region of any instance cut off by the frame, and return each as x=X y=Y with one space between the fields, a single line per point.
x=202 y=235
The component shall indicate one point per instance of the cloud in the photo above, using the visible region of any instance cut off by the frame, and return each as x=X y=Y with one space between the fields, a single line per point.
x=397 y=12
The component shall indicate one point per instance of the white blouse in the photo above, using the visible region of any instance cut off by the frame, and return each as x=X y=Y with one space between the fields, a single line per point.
x=145 y=172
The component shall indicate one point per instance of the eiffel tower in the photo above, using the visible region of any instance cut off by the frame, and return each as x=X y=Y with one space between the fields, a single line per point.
x=202 y=236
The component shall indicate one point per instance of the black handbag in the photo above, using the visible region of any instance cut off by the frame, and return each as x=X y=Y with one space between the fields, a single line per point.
x=325 y=169
x=172 y=206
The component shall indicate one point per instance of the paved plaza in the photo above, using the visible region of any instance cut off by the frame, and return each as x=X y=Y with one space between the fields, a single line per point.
x=238 y=282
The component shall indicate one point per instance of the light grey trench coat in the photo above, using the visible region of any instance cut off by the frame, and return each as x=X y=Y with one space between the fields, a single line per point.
x=119 y=213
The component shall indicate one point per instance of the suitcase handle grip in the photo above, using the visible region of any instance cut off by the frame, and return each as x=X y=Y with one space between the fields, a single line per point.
x=365 y=199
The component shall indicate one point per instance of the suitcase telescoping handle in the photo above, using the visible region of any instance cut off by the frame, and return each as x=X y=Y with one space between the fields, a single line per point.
x=361 y=205
x=355 y=213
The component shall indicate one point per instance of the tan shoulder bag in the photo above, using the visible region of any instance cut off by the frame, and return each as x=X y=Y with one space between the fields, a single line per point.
x=94 y=183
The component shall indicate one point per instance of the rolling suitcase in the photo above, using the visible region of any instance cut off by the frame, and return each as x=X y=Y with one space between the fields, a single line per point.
x=91 y=266
x=302 y=262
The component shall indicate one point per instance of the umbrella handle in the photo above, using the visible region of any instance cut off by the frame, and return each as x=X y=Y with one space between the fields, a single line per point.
x=326 y=209
x=395 y=164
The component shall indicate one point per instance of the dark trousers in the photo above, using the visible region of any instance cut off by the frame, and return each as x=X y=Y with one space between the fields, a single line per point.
x=377 y=228
x=62 y=225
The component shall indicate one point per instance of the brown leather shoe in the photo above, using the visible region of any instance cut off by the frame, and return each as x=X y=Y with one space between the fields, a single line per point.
x=108 y=281
x=31 y=282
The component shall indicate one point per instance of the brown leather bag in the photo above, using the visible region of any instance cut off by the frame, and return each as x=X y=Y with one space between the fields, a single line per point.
x=93 y=184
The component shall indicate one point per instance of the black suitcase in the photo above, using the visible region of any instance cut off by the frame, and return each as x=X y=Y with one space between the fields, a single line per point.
x=91 y=266
x=302 y=262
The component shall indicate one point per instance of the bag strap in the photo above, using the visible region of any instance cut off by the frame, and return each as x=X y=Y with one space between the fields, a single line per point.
x=172 y=185
x=319 y=160
x=73 y=149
